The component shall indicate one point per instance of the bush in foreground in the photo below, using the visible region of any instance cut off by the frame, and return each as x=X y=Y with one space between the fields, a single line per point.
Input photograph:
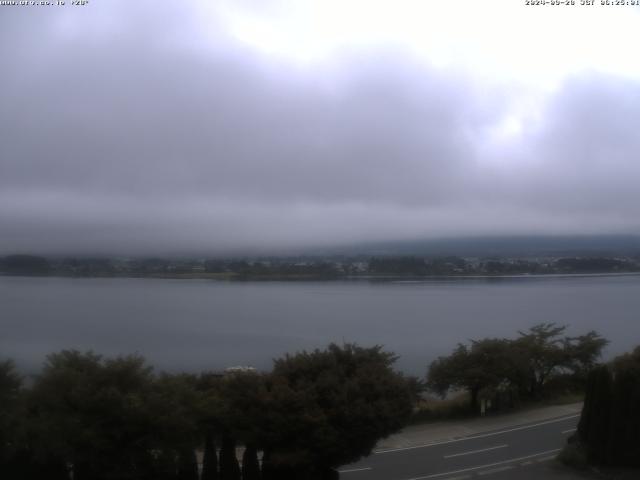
x=102 y=418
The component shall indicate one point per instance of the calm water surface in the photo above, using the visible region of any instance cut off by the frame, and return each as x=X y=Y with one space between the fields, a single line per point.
x=199 y=324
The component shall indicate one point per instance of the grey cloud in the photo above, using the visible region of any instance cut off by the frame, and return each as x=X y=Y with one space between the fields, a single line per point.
x=125 y=131
x=159 y=123
x=584 y=156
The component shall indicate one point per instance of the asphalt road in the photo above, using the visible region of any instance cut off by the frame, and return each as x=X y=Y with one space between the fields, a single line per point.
x=498 y=454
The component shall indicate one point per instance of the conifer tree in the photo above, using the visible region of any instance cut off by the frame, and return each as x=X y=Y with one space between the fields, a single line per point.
x=587 y=407
x=624 y=445
x=229 y=467
x=598 y=431
x=250 y=464
x=187 y=465
x=210 y=459
x=165 y=465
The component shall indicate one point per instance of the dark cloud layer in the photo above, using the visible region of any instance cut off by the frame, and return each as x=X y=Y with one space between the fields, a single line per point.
x=124 y=130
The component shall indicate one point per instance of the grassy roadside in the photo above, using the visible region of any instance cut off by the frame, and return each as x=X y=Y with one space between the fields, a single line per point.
x=456 y=407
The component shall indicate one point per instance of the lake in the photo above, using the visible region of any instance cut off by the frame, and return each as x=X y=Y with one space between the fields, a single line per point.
x=199 y=324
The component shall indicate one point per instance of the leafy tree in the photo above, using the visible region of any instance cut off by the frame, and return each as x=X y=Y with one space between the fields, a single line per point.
x=547 y=353
x=583 y=352
x=241 y=405
x=18 y=458
x=10 y=385
x=543 y=349
x=175 y=404
x=330 y=407
x=525 y=364
x=449 y=372
x=114 y=419
x=92 y=413
x=485 y=365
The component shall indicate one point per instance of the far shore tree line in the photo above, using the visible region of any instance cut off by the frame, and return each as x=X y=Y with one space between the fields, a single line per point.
x=312 y=267
x=89 y=417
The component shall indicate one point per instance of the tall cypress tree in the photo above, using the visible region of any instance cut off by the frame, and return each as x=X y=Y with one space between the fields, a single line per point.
x=609 y=427
x=598 y=428
x=586 y=417
x=165 y=465
x=267 y=467
x=229 y=467
x=250 y=464
x=187 y=465
x=210 y=459
x=624 y=445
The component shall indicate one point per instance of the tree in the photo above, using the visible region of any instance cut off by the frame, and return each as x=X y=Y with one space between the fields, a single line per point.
x=250 y=464
x=485 y=365
x=609 y=427
x=92 y=413
x=10 y=385
x=241 y=407
x=174 y=401
x=19 y=460
x=229 y=467
x=624 y=447
x=209 y=459
x=210 y=420
x=187 y=465
x=583 y=352
x=165 y=465
x=330 y=407
x=543 y=350
x=545 y=353
x=594 y=423
x=524 y=365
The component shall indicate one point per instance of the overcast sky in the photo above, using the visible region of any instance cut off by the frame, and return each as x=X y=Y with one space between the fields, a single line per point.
x=211 y=126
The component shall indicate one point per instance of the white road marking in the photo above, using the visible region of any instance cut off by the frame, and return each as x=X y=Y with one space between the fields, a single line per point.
x=545 y=459
x=473 y=437
x=489 y=465
x=568 y=431
x=355 y=470
x=496 y=470
x=475 y=451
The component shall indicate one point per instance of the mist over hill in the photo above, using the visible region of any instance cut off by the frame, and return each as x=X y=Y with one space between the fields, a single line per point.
x=501 y=246
x=482 y=247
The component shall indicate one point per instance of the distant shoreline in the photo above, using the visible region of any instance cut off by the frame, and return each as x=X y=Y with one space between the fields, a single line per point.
x=232 y=277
